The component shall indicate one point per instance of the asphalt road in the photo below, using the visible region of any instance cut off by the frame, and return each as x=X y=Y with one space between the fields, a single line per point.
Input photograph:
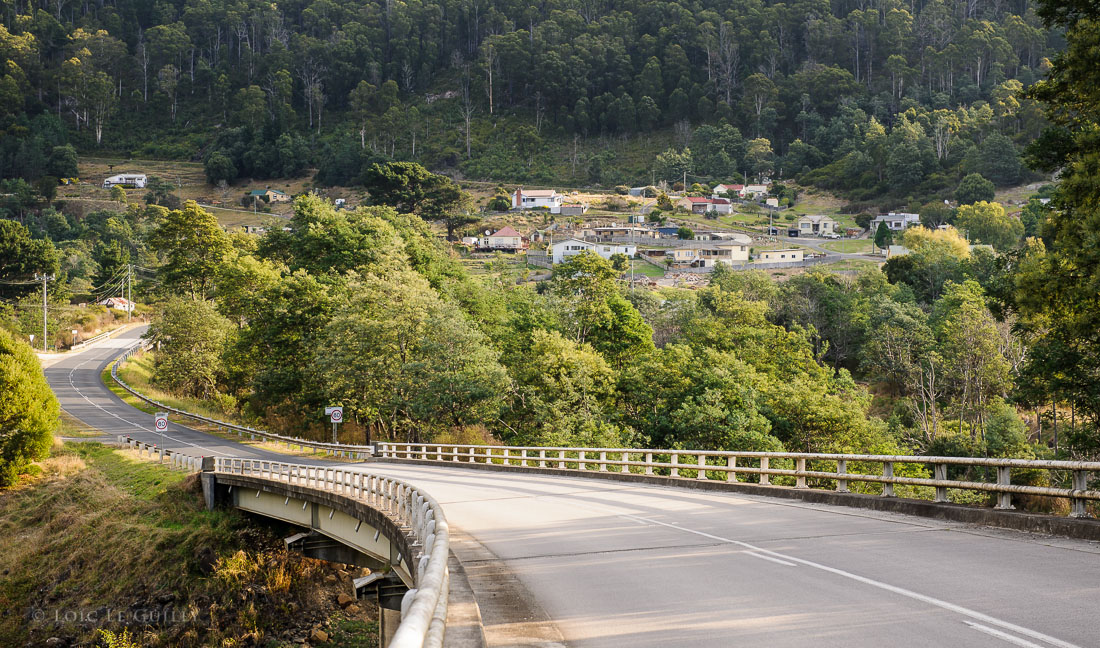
x=75 y=379
x=634 y=565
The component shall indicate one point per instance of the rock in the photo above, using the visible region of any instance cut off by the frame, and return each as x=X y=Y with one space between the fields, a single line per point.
x=354 y=609
x=345 y=600
x=319 y=636
x=330 y=579
x=341 y=574
x=55 y=642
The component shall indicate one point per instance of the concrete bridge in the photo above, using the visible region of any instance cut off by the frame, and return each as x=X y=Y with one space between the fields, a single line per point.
x=555 y=557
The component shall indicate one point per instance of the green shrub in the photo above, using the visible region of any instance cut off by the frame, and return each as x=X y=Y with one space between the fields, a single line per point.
x=28 y=409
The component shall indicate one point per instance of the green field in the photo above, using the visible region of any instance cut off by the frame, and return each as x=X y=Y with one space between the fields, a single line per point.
x=850 y=246
x=647 y=269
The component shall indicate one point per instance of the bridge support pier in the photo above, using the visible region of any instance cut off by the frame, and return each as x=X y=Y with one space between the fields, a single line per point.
x=212 y=493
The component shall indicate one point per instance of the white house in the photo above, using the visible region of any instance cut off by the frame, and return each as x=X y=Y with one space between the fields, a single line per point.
x=720 y=190
x=815 y=225
x=789 y=255
x=721 y=205
x=896 y=221
x=135 y=180
x=753 y=190
x=503 y=239
x=562 y=250
x=118 y=303
x=538 y=198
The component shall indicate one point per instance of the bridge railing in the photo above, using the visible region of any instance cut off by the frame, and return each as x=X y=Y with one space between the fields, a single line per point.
x=837 y=471
x=424 y=607
x=334 y=449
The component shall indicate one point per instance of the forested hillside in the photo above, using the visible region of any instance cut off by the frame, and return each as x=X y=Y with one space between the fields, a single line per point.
x=870 y=98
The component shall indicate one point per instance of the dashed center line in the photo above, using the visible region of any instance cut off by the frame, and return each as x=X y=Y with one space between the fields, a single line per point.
x=139 y=426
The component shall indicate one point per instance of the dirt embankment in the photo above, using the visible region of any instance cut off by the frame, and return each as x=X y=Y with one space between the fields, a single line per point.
x=100 y=548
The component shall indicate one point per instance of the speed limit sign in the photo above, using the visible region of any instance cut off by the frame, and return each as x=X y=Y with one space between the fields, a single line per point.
x=161 y=421
x=335 y=414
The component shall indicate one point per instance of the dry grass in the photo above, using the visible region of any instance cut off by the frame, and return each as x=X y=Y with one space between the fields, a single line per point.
x=97 y=529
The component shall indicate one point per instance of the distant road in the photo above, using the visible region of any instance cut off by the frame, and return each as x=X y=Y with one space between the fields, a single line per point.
x=598 y=564
x=75 y=379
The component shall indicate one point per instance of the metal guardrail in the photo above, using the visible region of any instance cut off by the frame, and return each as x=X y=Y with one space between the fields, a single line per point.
x=334 y=449
x=176 y=459
x=97 y=338
x=725 y=466
x=424 y=607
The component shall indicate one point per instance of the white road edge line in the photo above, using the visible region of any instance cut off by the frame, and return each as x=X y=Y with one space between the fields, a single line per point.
x=951 y=607
x=993 y=632
x=137 y=425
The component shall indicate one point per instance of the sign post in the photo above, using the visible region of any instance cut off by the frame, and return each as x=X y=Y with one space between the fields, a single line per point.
x=336 y=415
x=160 y=421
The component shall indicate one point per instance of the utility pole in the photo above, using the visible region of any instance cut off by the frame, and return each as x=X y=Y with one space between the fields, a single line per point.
x=631 y=259
x=44 y=278
x=130 y=292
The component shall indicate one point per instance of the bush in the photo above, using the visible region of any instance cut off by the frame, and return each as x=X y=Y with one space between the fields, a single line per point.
x=500 y=202
x=28 y=409
x=622 y=190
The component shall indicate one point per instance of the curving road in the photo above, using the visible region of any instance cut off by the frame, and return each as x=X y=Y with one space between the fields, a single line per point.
x=570 y=561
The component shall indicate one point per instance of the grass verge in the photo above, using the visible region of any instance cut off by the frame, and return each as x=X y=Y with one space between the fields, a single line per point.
x=138 y=371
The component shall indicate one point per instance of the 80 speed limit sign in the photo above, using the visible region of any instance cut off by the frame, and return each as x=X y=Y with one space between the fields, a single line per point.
x=161 y=421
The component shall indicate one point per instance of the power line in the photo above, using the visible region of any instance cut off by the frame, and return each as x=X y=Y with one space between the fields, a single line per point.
x=116 y=276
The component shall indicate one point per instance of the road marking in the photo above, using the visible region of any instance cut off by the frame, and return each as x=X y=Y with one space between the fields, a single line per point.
x=993 y=632
x=131 y=423
x=774 y=560
x=924 y=598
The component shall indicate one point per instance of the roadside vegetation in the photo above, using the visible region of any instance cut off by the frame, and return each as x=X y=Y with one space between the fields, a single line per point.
x=98 y=539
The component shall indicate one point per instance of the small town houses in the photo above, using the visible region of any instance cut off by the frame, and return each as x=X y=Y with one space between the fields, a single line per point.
x=548 y=199
x=269 y=195
x=895 y=221
x=505 y=239
x=704 y=205
x=562 y=250
x=816 y=225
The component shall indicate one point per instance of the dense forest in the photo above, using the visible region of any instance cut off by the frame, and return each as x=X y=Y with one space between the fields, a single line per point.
x=881 y=98
x=953 y=348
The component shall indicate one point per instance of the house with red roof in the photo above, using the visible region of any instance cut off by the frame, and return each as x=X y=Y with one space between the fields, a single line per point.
x=506 y=239
x=694 y=204
x=720 y=190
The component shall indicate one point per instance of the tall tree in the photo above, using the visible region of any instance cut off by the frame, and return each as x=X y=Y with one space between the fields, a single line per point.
x=193 y=246
x=1056 y=285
